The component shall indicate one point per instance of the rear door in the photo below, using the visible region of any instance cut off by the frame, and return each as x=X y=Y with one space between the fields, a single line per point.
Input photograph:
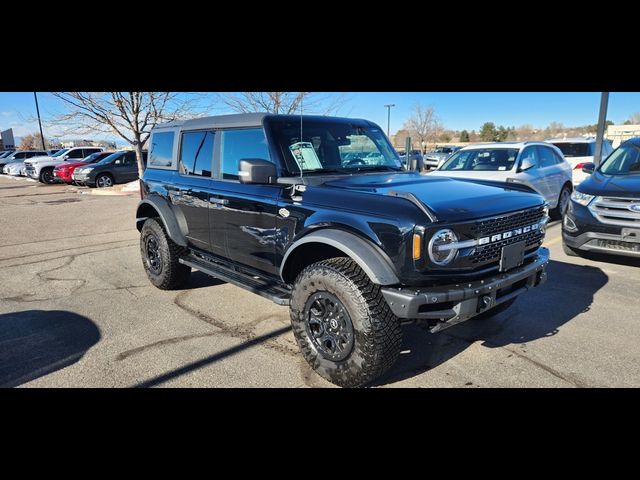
x=534 y=177
x=552 y=171
x=191 y=192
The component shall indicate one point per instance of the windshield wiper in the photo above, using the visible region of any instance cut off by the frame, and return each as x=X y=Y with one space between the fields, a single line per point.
x=384 y=168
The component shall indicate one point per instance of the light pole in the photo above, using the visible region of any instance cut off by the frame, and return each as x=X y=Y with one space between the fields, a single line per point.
x=39 y=122
x=388 y=107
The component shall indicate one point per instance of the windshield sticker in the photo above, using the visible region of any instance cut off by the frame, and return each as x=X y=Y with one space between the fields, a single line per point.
x=502 y=168
x=305 y=156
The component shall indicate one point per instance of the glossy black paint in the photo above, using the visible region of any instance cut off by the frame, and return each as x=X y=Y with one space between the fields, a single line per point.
x=254 y=225
x=603 y=185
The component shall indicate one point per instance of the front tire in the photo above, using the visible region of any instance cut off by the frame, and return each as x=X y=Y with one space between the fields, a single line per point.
x=563 y=203
x=342 y=323
x=160 y=257
x=46 y=176
x=104 y=180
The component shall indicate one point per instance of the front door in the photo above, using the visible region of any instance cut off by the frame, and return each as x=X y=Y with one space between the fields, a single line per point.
x=534 y=177
x=245 y=213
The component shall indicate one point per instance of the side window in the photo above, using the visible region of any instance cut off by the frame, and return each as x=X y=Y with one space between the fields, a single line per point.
x=239 y=144
x=161 y=150
x=130 y=158
x=557 y=156
x=530 y=153
x=196 y=153
x=545 y=157
x=22 y=155
x=120 y=160
x=75 y=153
x=89 y=151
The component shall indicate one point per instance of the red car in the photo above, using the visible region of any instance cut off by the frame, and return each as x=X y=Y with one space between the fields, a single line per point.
x=64 y=171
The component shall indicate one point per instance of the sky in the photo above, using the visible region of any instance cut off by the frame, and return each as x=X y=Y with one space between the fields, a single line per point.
x=456 y=110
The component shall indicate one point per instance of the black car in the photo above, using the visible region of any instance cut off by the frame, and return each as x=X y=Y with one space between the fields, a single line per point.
x=354 y=244
x=604 y=214
x=119 y=167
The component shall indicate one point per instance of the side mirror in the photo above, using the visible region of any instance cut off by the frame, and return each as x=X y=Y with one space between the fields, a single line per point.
x=256 y=170
x=526 y=164
x=589 y=167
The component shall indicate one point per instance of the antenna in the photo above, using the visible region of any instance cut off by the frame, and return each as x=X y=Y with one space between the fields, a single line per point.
x=301 y=100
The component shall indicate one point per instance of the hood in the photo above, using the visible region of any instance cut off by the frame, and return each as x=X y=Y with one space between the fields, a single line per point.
x=611 y=185
x=71 y=164
x=436 y=155
x=451 y=200
x=39 y=159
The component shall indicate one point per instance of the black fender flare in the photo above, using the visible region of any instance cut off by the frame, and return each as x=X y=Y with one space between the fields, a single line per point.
x=373 y=261
x=167 y=217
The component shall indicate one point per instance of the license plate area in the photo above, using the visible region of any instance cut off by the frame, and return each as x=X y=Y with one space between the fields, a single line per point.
x=512 y=256
x=631 y=235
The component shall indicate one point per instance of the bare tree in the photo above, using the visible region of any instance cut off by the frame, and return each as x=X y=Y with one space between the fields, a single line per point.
x=423 y=124
x=130 y=115
x=32 y=142
x=634 y=119
x=285 y=103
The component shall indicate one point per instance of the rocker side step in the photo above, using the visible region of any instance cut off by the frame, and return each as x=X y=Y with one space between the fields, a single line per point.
x=265 y=288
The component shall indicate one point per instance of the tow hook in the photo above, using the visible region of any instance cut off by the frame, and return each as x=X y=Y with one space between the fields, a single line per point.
x=484 y=302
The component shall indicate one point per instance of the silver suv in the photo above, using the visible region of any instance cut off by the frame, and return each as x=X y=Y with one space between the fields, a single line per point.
x=438 y=155
x=538 y=165
x=578 y=151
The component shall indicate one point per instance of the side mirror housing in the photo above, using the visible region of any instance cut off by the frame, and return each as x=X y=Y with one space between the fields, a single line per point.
x=526 y=164
x=589 y=167
x=65 y=158
x=257 y=170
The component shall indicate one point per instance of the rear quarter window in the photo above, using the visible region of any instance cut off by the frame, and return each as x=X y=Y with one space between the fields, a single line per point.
x=161 y=150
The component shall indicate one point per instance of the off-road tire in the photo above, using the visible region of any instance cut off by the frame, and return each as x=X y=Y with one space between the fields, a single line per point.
x=570 y=252
x=173 y=274
x=495 y=310
x=377 y=336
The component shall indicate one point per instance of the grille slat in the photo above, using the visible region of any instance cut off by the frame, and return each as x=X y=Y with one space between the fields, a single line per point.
x=485 y=228
x=615 y=211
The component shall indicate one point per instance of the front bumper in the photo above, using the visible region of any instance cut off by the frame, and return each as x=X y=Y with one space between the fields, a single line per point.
x=31 y=172
x=582 y=231
x=452 y=304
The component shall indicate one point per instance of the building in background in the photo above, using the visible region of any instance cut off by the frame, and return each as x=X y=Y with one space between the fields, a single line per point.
x=619 y=133
x=7 y=141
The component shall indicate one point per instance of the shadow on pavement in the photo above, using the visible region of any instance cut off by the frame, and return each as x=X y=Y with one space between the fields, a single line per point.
x=615 y=259
x=34 y=343
x=202 y=280
x=536 y=314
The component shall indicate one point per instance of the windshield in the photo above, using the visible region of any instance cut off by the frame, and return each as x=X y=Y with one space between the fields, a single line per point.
x=328 y=146
x=574 y=149
x=94 y=157
x=443 y=150
x=492 y=159
x=625 y=160
x=60 y=152
x=110 y=158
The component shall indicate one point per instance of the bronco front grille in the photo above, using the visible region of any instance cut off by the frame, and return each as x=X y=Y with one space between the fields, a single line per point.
x=484 y=228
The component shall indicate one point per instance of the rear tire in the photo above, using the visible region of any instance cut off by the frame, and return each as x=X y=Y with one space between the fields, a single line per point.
x=160 y=257
x=342 y=323
x=570 y=252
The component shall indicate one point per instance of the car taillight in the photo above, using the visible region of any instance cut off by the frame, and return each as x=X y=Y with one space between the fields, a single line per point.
x=579 y=166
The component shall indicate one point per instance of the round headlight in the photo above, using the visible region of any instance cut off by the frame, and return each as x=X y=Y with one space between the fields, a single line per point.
x=441 y=252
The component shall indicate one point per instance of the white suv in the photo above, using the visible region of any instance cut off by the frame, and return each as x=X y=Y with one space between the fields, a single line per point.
x=578 y=151
x=41 y=168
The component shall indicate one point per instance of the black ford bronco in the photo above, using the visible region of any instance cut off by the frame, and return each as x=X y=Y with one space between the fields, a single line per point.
x=318 y=213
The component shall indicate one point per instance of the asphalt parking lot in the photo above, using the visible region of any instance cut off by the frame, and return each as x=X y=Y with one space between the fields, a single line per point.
x=76 y=310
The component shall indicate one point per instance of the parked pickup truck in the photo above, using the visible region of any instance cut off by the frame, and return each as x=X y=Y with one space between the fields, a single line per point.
x=293 y=208
x=41 y=168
